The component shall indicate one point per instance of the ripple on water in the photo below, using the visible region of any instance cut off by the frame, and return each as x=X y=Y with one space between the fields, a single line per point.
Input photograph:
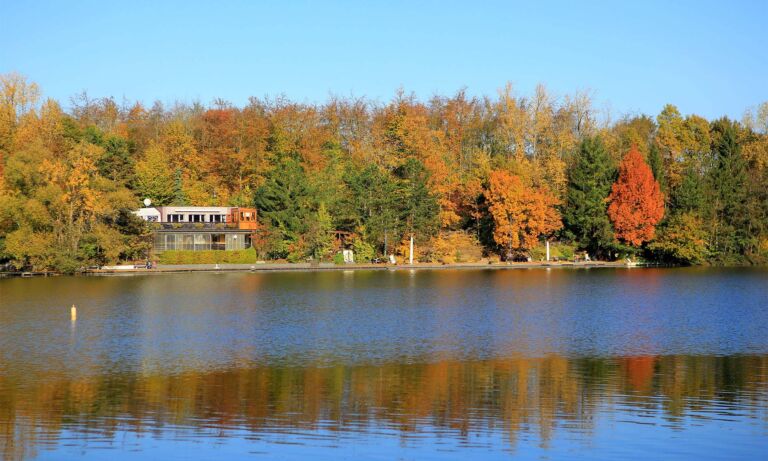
x=602 y=364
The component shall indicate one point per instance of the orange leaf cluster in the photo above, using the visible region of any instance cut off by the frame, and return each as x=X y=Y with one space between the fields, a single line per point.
x=520 y=213
x=636 y=201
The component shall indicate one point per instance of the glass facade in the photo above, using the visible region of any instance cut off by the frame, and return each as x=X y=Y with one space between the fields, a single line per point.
x=196 y=241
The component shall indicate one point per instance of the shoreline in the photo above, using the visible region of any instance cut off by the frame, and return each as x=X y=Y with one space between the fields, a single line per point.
x=324 y=267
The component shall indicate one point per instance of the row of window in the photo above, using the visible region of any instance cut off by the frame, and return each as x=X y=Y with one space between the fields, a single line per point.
x=246 y=216
x=201 y=241
x=197 y=217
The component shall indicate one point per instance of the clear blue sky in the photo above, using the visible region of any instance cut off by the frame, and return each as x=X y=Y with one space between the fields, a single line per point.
x=709 y=58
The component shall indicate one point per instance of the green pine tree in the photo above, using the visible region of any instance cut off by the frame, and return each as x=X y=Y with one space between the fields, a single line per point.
x=657 y=166
x=319 y=236
x=689 y=195
x=284 y=202
x=371 y=202
x=419 y=209
x=589 y=183
x=728 y=193
x=179 y=197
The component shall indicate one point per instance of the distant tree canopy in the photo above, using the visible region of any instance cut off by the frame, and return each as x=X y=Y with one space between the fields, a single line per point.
x=507 y=171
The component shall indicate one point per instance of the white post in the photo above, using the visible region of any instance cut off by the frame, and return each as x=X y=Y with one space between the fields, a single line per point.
x=547 y=250
x=410 y=252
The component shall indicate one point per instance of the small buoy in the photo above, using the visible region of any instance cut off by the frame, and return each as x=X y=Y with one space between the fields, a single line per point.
x=73 y=312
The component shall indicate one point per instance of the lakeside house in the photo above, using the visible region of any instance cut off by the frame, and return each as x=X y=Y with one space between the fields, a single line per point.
x=200 y=228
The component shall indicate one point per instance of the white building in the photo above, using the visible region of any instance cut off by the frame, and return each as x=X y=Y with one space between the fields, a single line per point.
x=200 y=228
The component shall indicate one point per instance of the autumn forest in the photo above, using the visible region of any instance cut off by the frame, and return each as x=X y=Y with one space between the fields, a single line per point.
x=468 y=177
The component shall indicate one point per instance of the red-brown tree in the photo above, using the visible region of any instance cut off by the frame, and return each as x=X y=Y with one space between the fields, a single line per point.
x=636 y=202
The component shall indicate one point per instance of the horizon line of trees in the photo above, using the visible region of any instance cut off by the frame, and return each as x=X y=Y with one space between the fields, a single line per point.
x=491 y=175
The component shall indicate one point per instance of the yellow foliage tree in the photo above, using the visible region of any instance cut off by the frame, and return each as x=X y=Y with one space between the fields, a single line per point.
x=521 y=213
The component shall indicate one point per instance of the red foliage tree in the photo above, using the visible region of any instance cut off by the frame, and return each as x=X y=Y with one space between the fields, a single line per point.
x=636 y=201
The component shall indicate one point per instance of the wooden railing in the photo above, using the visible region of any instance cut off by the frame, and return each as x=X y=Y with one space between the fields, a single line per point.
x=193 y=226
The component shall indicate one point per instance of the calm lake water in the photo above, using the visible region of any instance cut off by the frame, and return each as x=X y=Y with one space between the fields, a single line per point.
x=447 y=364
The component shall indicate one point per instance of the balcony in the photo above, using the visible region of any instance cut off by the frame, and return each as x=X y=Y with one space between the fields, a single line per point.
x=193 y=226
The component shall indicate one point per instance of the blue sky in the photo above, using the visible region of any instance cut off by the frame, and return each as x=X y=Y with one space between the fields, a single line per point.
x=709 y=58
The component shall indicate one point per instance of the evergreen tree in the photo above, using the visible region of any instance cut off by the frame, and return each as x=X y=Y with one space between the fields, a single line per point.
x=116 y=162
x=419 y=210
x=589 y=183
x=657 y=166
x=371 y=203
x=689 y=196
x=728 y=192
x=284 y=202
x=179 y=197
x=319 y=236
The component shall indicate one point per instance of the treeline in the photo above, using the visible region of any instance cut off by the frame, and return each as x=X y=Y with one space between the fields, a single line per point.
x=466 y=176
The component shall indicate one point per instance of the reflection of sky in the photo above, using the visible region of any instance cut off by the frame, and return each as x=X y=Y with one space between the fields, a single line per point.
x=617 y=434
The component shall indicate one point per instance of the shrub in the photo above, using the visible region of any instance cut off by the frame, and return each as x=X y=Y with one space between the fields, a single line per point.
x=566 y=251
x=539 y=252
x=557 y=250
x=682 y=239
x=297 y=251
x=364 y=251
x=453 y=247
x=247 y=256
x=338 y=259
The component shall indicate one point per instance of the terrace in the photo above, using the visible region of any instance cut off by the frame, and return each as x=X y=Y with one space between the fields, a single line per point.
x=192 y=226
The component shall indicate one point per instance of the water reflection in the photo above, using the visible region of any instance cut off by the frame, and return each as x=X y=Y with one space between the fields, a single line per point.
x=600 y=364
x=461 y=402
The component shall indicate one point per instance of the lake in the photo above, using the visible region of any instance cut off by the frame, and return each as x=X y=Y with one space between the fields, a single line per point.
x=606 y=363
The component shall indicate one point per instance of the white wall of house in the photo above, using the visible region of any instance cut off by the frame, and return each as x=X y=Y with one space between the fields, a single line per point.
x=149 y=214
x=186 y=213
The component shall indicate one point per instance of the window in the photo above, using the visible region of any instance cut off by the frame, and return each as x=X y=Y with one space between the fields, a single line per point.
x=201 y=241
x=218 y=242
x=189 y=242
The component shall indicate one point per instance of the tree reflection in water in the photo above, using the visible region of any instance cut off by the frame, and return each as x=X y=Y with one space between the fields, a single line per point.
x=513 y=396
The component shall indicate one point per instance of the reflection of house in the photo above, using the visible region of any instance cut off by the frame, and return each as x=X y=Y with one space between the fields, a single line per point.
x=200 y=228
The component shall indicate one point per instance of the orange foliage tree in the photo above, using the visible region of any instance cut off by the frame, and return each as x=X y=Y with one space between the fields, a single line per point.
x=636 y=201
x=520 y=213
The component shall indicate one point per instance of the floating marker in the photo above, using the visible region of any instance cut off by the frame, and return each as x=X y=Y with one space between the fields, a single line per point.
x=73 y=312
